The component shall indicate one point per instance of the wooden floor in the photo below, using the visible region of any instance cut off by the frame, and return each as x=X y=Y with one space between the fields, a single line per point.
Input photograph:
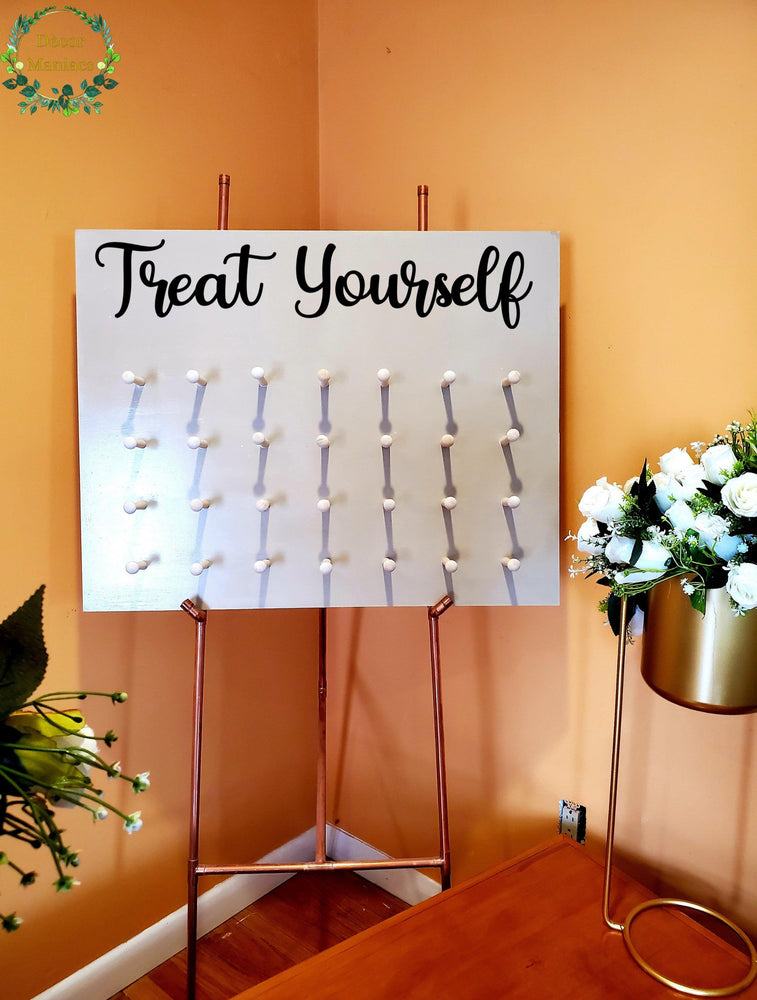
x=530 y=929
x=300 y=918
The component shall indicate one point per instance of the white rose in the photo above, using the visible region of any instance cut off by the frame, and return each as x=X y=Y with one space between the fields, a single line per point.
x=717 y=462
x=740 y=494
x=664 y=490
x=588 y=538
x=653 y=558
x=742 y=585
x=675 y=460
x=727 y=546
x=711 y=527
x=682 y=486
x=691 y=479
x=602 y=501
x=636 y=624
x=680 y=516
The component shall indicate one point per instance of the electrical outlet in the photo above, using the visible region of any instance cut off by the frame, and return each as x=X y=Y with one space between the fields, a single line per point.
x=573 y=820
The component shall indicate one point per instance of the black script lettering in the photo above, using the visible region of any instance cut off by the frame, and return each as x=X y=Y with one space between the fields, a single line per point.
x=182 y=289
x=325 y=285
x=510 y=315
x=506 y=300
x=128 y=251
x=352 y=286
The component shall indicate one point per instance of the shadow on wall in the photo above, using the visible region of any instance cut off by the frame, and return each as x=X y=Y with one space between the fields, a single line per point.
x=505 y=692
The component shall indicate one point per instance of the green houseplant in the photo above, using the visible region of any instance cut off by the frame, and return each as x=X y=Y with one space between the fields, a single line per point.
x=48 y=755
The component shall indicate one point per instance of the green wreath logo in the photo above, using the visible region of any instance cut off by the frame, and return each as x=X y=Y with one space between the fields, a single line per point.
x=62 y=99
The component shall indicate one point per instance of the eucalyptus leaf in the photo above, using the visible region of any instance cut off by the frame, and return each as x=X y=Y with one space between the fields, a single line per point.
x=23 y=656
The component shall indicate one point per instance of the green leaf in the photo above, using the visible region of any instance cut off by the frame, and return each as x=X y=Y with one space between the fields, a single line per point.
x=34 y=108
x=99 y=80
x=68 y=90
x=23 y=656
x=613 y=613
x=110 y=84
x=86 y=108
x=10 y=84
x=638 y=545
x=84 y=85
x=55 y=90
x=29 y=91
x=92 y=91
x=22 y=80
x=36 y=84
x=699 y=599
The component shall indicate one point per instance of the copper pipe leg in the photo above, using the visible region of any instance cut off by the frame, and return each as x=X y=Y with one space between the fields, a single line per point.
x=434 y=614
x=320 y=805
x=199 y=617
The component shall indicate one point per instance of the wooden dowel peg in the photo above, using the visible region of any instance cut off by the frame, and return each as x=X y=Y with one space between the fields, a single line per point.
x=259 y=375
x=511 y=502
x=448 y=378
x=386 y=440
x=322 y=441
x=198 y=568
x=389 y=504
x=130 y=443
x=261 y=565
x=326 y=567
x=260 y=439
x=324 y=505
x=512 y=378
x=196 y=442
x=324 y=377
x=388 y=565
x=195 y=378
x=450 y=565
x=447 y=440
x=131 y=379
x=198 y=503
x=130 y=506
x=263 y=504
x=510 y=437
x=449 y=503
x=511 y=564
x=134 y=566
x=384 y=376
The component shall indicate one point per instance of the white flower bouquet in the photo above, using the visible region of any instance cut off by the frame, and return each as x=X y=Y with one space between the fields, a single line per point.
x=696 y=520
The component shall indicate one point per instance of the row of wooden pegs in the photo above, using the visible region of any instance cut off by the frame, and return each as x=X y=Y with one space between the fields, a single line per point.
x=259 y=374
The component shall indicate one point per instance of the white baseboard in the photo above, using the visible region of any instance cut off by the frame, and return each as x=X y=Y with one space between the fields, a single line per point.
x=135 y=958
x=407 y=884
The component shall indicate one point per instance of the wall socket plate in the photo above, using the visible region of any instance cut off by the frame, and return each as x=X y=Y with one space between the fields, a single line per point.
x=573 y=820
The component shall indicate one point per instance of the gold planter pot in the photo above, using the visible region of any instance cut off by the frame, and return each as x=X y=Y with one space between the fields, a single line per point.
x=707 y=662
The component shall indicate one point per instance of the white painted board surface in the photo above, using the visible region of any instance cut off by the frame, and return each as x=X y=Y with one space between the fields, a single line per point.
x=148 y=303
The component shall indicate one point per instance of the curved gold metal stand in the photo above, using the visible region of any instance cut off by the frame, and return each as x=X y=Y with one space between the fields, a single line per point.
x=681 y=904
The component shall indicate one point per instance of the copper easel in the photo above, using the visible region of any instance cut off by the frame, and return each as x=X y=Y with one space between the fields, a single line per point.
x=199 y=616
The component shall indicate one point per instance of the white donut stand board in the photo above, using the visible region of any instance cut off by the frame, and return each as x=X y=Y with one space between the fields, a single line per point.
x=318 y=419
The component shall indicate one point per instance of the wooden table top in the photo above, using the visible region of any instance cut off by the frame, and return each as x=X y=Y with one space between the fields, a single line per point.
x=530 y=929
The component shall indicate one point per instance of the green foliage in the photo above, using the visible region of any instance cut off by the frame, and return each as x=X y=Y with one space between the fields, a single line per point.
x=64 y=101
x=23 y=656
x=47 y=755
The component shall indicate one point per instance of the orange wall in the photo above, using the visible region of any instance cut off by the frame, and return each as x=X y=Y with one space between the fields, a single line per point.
x=631 y=129
x=203 y=89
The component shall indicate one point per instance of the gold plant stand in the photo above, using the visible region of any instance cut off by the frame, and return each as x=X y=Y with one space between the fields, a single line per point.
x=681 y=904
